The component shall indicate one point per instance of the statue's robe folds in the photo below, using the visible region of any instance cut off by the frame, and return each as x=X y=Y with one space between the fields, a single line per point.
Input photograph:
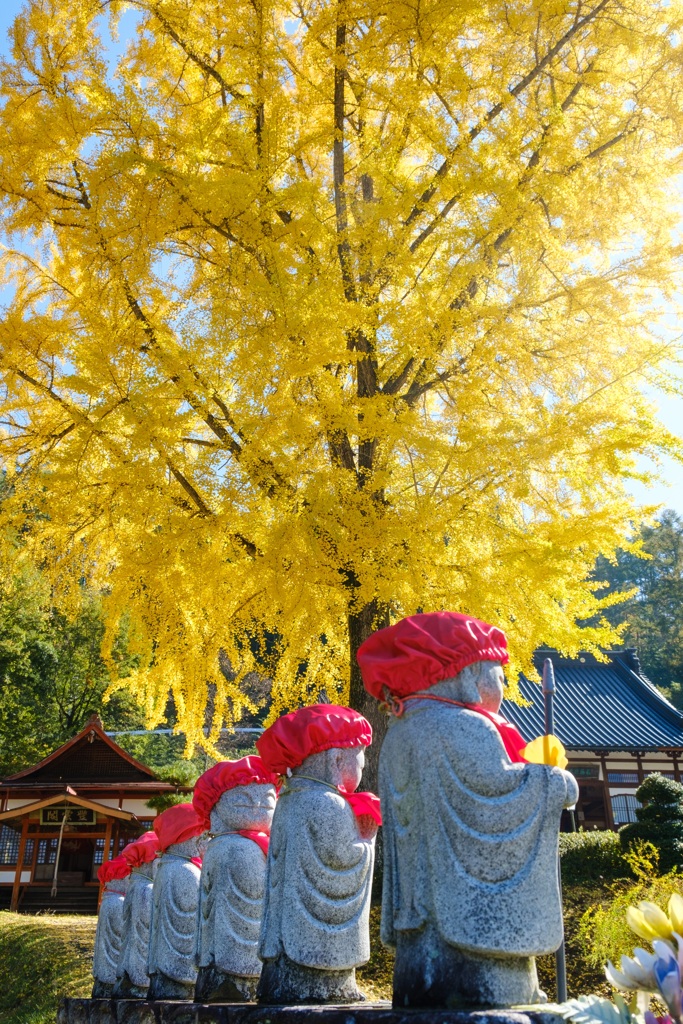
x=137 y=916
x=172 y=938
x=108 y=938
x=230 y=905
x=318 y=880
x=470 y=839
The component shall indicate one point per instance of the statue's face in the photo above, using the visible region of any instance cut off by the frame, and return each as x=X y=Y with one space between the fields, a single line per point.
x=245 y=807
x=491 y=684
x=350 y=762
x=341 y=767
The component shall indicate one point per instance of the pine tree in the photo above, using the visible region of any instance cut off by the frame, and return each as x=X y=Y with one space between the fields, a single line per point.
x=660 y=820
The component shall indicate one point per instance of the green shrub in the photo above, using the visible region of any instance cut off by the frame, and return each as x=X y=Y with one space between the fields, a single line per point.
x=660 y=820
x=603 y=932
x=591 y=856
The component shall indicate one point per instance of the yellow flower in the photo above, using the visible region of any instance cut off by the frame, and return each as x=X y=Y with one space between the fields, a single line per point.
x=648 y=921
x=657 y=919
x=676 y=912
x=545 y=750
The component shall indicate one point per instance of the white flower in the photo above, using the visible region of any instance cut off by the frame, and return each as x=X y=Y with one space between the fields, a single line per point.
x=636 y=972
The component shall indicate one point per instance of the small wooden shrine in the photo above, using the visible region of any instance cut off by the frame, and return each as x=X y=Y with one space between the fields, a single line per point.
x=61 y=818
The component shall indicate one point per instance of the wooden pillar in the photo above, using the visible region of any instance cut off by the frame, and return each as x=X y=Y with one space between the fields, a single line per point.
x=34 y=859
x=107 y=840
x=608 y=799
x=105 y=854
x=677 y=770
x=641 y=773
x=14 y=905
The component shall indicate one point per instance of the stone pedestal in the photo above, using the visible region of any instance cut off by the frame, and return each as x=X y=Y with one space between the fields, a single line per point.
x=287 y=982
x=455 y=979
x=103 y=1011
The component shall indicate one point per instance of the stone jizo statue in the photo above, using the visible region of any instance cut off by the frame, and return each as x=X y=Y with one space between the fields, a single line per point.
x=175 y=896
x=132 y=979
x=470 y=887
x=114 y=875
x=315 y=928
x=236 y=801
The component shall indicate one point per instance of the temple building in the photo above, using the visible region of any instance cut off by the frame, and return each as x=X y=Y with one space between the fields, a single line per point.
x=616 y=726
x=61 y=818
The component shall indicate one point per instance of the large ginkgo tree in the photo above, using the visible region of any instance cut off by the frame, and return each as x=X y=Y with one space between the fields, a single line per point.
x=321 y=312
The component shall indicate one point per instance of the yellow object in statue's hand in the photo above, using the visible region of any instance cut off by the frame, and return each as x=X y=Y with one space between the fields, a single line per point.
x=545 y=750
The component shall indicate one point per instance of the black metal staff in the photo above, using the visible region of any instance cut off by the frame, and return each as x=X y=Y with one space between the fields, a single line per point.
x=548 y=695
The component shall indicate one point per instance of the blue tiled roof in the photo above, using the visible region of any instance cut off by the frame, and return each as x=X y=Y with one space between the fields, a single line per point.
x=600 y=706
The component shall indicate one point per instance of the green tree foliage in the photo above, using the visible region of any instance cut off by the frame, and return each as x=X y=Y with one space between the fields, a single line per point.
x=654 y=613
x=164 y=754
x=52 y=675
x=660 y=820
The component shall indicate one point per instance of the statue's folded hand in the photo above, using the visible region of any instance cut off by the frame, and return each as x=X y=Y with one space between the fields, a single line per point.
x=367 y=826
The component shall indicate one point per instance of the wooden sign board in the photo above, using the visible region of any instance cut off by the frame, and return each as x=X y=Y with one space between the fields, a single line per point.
x=74 y=815
x=584 y=771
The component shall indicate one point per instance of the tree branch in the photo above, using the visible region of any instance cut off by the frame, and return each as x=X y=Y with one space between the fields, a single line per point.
x=340 y=206
x=492 y=114
x=189 y=489
x=201 y=62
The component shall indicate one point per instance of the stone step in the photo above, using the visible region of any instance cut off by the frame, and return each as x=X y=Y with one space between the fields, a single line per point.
x=67 y=901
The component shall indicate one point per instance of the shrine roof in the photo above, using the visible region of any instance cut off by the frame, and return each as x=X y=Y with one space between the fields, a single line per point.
x=89 y=757
x=70 y=798
x=600 y=706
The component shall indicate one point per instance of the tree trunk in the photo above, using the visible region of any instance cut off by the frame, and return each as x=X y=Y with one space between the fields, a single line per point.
x=361 y=625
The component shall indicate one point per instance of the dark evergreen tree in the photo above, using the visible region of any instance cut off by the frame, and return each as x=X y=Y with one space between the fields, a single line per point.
x=660 y=820
x=52 y=675
x=654 y=613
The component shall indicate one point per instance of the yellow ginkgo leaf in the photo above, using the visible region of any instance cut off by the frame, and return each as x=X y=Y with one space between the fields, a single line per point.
x=545 y=750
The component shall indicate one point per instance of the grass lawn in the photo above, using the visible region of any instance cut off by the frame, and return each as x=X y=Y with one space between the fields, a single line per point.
x=45 y=957
x=42 y=958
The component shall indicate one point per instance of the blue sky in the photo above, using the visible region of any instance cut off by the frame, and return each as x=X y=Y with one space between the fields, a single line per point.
x=668 y=492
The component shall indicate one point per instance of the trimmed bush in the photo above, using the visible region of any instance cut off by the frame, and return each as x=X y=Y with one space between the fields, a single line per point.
x=660 y=820
x=591 y=856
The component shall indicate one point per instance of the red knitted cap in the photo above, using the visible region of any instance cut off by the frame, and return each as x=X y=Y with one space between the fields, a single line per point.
x=142 y=850
x=113 y=869
x=422 y=650
x=294 y=737
x=177 y=824
x=225 y=775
